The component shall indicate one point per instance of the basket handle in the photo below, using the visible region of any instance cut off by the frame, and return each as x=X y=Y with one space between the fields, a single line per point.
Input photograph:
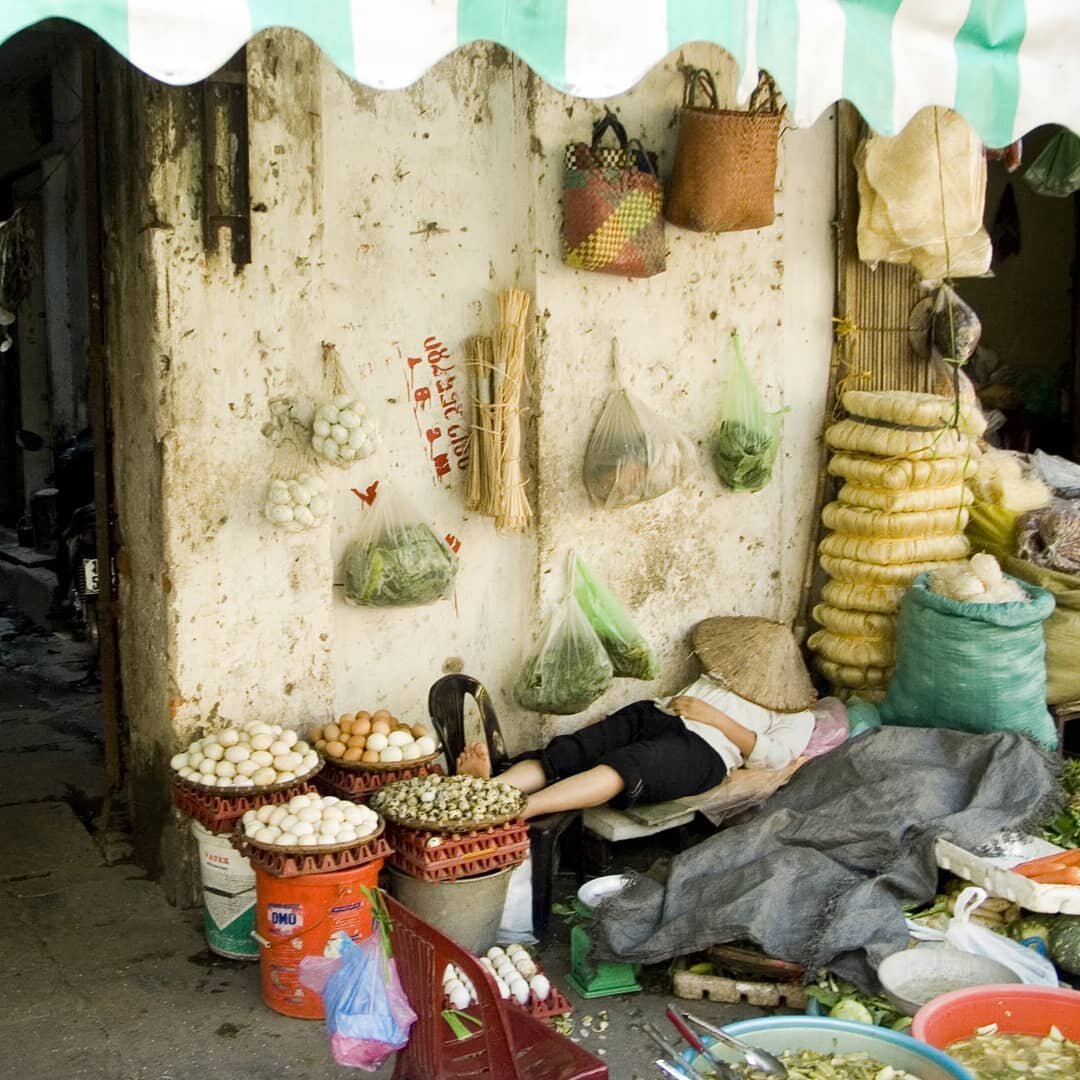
x=705 y=77
x=608 y=122
x=765 y=84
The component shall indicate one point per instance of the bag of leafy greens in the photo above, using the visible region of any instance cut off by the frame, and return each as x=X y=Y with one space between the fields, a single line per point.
x=748 y=438
x=397 y=560
x=570 y=670
x=629 y=652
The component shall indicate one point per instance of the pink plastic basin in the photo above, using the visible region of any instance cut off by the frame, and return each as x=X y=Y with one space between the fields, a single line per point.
x=1024 y=1010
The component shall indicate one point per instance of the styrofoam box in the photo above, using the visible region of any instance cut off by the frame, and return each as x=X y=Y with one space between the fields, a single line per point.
x=993 y=874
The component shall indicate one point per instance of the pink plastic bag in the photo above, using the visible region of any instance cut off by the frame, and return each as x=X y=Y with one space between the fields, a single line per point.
x=830 y=727
x=367 y=1013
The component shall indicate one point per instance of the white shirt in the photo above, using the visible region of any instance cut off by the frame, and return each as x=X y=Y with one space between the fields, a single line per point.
x=781 y=737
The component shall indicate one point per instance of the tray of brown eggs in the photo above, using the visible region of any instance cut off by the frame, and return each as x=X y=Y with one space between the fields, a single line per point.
x=374 y=741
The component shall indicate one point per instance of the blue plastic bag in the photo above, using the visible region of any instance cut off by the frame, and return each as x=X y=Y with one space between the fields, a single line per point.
x=367 y=1014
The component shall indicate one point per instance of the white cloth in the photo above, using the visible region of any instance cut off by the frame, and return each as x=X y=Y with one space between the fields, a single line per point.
x=781 y=737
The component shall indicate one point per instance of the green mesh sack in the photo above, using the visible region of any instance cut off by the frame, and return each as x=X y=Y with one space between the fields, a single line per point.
x=629 y=652
x=1056 y=171
x=747 y=439
x=571 y=668
x=971 y=667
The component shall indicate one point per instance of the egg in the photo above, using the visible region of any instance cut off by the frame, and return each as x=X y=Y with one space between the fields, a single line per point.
x=247 y=768
x=332 y=813
x=253 y=827
x=206 y=766
x=307 y=840
x=289 y=738
x=346 y=834
x=178 y=761
x=370 y=756
x=526 y=969
x=237 y=753
x=265 y=813
x=459 y=998
x=330 y=800
x=277 y=815
x=410 y=752
x=377 y=741
x=278 y=746
x=315 y=733
x=357 y=741
x=264 y=776
x=303 y=828
x=362 y=725
x=228 y=737
x=504 y=990
x=261 y=741
x=520 y=990
x=267 y=834
x=214 y=751
x=494 y=953
x=287 y=839
x=284 y=778
x=391 y=754
x=426 y=745
x=243 y=781
x=399 y=738
x=540 y=986
x=353 y=753
x=331 y=732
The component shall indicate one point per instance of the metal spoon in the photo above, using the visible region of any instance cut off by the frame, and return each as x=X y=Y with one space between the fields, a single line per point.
x=761 y=1060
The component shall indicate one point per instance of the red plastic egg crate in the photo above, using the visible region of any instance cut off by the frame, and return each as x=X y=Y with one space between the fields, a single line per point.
x=288 y=864
x=555 y=1004
x=357 y=784
x=449 y=856
x=220 y=813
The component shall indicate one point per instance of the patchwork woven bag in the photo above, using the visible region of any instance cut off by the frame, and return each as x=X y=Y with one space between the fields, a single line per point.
x=724 y=173
x=613 y=205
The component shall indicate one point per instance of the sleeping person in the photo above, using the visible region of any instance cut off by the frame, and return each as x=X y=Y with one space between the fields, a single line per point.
x=750 y=707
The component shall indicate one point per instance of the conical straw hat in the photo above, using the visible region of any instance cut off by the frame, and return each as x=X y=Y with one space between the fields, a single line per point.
x=757 y=659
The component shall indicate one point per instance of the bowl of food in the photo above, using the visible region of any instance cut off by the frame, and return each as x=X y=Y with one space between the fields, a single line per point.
x=1006 y=1030
x=912 y=977
x=818 y=1046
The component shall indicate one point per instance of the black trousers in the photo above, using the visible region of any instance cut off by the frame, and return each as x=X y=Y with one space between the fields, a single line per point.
x=653 y=753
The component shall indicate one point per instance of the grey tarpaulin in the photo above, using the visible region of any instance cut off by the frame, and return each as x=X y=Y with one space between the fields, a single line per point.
x=820 y=874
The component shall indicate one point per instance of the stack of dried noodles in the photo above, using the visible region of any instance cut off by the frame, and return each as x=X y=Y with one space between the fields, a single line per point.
x=902 y=509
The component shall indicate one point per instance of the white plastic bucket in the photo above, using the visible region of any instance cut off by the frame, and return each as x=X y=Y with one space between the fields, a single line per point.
x=228 y=896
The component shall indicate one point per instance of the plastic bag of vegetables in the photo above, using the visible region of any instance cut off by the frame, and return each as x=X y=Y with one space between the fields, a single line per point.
x=570 y=670
x=397 y=560
x=747 y=439
x=629 y=652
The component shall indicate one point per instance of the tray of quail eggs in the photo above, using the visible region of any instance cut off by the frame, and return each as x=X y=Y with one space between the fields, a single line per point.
x=247 y=759
x=311 y=823
x=448 y=803
x=517 y=978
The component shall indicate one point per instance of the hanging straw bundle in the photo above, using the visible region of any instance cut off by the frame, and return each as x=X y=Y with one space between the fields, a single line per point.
x=482 y=492
x=514 y=512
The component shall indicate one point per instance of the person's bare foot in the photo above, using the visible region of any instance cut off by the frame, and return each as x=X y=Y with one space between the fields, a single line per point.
x=474 y=761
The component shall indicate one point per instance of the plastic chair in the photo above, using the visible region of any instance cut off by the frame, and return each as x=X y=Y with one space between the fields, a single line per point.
x=446 y=706
x=509 y=1045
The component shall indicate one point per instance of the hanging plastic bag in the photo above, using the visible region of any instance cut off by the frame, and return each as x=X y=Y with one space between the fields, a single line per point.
x=629 y=652
x=748 y=438
x=1056 y=171
x=397 y=560
x=955 y=329
x=571 y=668
x=633 y=455
x=969 y=937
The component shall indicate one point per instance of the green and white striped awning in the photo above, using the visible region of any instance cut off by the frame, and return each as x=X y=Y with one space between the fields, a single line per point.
x=1007 y=65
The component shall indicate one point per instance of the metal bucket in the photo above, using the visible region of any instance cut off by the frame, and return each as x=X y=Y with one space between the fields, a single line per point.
x=228 y=883
x=468 y=910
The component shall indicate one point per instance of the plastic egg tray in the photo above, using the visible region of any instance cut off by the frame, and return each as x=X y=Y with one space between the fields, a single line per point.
x=296 y=863
x=356 y=785
x=437 y=857
x=220 y=813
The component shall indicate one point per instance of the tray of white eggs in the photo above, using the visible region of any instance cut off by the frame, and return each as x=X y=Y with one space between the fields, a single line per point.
x=375 y=741
x=247 y=759
x=311 y=824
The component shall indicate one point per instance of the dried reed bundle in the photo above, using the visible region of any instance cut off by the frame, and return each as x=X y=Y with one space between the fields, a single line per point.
x=482 y=490
x=514 y=512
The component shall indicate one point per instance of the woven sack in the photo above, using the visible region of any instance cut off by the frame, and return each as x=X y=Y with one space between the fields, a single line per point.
x=853 y=596
x=871 y=472
x=865 y=437
x=613 y=200
x=859 y=521
x=971 y=667
x=724 y=174
x=906 y=500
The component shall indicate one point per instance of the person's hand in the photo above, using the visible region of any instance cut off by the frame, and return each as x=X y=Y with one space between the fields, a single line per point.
x=691 y=708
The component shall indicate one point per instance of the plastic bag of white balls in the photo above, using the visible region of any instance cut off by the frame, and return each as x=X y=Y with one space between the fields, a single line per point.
x=341 y=433
x=296 y=505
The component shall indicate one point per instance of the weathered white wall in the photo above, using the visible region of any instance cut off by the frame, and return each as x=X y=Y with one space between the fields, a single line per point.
x=383 y=219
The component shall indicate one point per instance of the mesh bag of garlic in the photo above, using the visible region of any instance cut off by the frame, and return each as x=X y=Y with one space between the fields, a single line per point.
x=901 y=510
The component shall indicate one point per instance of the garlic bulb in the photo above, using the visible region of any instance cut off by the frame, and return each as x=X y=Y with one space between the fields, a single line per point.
x=341 y=432
x=296 y=505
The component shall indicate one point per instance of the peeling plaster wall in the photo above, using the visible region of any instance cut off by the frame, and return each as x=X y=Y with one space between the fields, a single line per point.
x=382 y=220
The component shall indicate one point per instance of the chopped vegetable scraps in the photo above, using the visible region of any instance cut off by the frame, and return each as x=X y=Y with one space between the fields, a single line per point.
x=843 y=1001
x=814 y=1065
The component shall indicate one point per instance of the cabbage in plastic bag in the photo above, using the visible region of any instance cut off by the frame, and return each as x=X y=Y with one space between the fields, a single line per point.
x=747 y=438
x=571 y=668
x=629 y=652
x=397 y=560
x=1056 y=171
x=633 y=455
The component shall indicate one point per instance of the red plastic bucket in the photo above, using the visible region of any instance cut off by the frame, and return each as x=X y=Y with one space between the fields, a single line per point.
x=296 y=917
x=1023 y=1010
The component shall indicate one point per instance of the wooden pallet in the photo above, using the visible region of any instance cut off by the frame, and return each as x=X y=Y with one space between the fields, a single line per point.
x=769 y=995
